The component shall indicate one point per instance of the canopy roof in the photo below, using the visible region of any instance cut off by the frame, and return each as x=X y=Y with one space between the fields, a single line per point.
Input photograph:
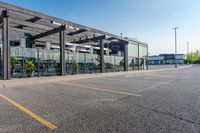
x=42 y=27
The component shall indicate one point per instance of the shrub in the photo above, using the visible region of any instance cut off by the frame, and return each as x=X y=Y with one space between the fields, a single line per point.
x=29 y=66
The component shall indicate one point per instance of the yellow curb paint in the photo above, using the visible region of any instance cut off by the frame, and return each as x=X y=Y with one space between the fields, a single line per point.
x=99 y=89
x=25 y=110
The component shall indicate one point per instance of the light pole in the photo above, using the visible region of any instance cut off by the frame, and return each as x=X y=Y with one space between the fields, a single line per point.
x=175 y=47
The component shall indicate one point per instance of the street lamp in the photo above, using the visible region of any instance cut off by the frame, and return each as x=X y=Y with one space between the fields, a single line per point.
x=175 y=28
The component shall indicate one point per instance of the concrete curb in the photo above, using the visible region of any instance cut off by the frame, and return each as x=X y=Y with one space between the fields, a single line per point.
x=45 y=80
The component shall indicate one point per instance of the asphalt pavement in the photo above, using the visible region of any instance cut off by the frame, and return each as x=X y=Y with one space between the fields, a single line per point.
x=166 y=101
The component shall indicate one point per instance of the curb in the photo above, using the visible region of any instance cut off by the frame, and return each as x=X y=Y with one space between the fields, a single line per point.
x=44 y=80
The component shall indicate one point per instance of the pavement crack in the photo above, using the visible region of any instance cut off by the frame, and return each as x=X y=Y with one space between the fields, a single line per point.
x=156 y=85
x=120 y=99
x=168 y=114
x=160 y=112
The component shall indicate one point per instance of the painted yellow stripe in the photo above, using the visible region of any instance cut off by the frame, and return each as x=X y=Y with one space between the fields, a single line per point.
x=33 y=115
x=99 y=89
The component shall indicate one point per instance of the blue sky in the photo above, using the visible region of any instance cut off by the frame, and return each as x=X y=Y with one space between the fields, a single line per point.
x=150 y=21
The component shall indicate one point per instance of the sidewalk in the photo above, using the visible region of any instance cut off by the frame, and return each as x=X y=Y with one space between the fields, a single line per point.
x=44 y=80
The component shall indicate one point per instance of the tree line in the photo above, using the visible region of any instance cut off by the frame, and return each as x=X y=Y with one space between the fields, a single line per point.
x=193 y=57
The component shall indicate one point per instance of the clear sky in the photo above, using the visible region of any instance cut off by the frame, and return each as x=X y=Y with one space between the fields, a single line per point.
x=150 y=21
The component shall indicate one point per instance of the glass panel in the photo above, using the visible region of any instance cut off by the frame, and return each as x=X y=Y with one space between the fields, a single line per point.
x=133 y=49
x=78 y=63
x=96 y=61
x=113 y=63
x=81 y=60
x=90 y=63
x=109 y=63
x=143 y=56
x=28 y=62
x=119 y=63
x=133 y=56
x=69 y=60
x=48 y=62
x=130 y=63
x=22 y=62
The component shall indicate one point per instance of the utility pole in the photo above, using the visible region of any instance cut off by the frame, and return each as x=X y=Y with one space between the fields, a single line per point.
x=175 y=61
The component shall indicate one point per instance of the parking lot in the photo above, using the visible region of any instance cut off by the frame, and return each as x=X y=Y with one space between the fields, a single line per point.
x=151 y=101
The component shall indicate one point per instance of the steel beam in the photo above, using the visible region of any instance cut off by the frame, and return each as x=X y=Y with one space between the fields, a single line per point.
x=29 y=24
x=62 y=51
x=6 y=45
x=101 y=55
x=89 y=39
x=34 y=19
x=40 y=21
x=49 y=32
x=76 y=32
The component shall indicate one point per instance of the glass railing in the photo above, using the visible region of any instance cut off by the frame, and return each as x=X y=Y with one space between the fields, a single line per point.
x=113 y=63
x=77 y=63
x=29 y=62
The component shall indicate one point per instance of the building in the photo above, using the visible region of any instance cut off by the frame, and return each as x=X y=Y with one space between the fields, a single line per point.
x=35 y=44
x=166 y=59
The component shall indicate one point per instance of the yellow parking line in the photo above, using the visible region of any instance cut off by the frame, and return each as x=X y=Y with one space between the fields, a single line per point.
x=99 y=89
x=25 y=110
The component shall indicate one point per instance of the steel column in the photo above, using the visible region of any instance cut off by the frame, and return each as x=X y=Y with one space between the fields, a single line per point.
x=147 y=57
x=38 y=61
x=85 y=67
x=138 y=56
x=6 y=46
x=62 y=52
x=126 y=57
x=101 y=55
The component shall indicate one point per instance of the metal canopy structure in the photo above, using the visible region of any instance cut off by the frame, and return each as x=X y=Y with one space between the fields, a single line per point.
x=39 y=27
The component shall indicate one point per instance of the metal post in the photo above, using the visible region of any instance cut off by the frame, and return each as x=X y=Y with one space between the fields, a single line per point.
x=62 y=51
x=68 y=61
x=85 y=63
x=23 y=72
x=147 y=58
x=6 y=45
x=101 y=55
x=0 y=62
x=114 y=63
x=126 y=57
x=175 y=47
x=138 y=56
x=143 y=63
x=38 y=60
